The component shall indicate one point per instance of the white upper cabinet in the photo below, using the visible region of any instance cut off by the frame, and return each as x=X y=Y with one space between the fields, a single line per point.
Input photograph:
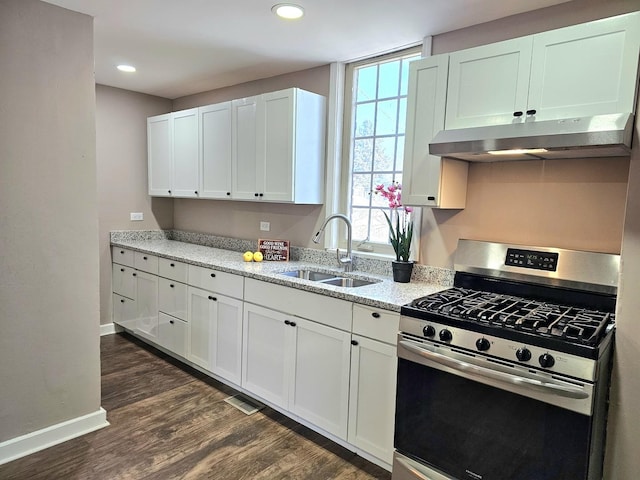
x=215 y=150
x=582 y=70
x=586 y=69
x=185 y=153
x=429 y=180
x=244 y=150
x=159 y=151
x=488 y=84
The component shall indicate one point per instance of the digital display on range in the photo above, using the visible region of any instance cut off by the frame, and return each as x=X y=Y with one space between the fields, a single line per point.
x=532 y=259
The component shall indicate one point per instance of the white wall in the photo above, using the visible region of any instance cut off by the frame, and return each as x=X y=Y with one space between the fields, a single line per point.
x=49 y=320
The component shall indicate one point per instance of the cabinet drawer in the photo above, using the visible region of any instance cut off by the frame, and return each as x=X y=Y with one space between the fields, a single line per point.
x=171 y=269
x=124 y=311
x=172 y=334
x=376 y=323
x=172 y=298
x=319 y=308
x=215 y=281
x=123 y=281
x=122 y=256
x=145 y=262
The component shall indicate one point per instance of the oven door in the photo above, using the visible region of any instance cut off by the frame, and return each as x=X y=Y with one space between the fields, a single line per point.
x=468 y=416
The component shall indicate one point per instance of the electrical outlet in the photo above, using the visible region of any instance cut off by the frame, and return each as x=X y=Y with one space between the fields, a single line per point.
x=137 y=216
x=265 y=226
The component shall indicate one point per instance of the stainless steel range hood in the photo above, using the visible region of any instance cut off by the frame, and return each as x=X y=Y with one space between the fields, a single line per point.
x=596 y=136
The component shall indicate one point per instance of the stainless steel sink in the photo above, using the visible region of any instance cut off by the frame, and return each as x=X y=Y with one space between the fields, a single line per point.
x=330 y=278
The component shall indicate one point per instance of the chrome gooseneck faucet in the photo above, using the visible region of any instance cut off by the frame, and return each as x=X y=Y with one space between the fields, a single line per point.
x=346 y=261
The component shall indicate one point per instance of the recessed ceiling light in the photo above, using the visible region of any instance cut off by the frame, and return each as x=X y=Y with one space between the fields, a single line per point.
x=288 y=10
x=126 y=68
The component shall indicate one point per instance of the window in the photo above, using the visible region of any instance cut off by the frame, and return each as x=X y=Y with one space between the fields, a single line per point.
x=375 y=124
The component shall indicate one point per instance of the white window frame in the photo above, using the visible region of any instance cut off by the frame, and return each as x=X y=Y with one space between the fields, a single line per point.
x=344 y=199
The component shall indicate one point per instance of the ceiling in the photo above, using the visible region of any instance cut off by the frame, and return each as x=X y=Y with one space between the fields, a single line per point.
x=181 y=47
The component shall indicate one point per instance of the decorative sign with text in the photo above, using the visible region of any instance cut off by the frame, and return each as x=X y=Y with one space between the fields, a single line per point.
x=274 y=250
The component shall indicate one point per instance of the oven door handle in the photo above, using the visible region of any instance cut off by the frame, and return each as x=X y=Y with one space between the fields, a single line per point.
x=557 y=389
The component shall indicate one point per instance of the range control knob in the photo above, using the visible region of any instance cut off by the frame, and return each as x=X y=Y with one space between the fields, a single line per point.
x=445 y=335
x=483 y=344
x=523 y=354
x=429 y=331
x=546 y=360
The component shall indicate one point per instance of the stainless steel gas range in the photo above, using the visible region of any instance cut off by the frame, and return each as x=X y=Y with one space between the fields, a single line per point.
x=505 y=376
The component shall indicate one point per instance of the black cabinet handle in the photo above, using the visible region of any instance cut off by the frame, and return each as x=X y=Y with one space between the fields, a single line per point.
x=134 y=274
x=255 y=194
x=293 y=324
x=144 y=258
x=196 y=192
x=171 y=322
x=531 y=112
x=122 y=300
x=375 y=315
x=262 y=194
x=517 y=114
x=432 y=199
x=213 y=275
x=213 y=298
x=169 y=192
x=122 y=252
x=171 y=285
x=228 y=193
x=122 y=269
x=354 y=342
x=173 y=265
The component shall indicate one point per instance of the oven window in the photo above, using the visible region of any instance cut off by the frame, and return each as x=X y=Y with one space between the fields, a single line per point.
x=473 y=431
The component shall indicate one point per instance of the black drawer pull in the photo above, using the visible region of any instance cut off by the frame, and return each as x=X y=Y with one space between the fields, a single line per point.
x=171 y=322
x=169 y=192
x=122 y=252
x=293 y=324
x=144 y=258
x=262 y=194
x=196 y=192
x=375 y=315
x=228 y=193
x=134 y=274
x=287 y=322
x=213 y=298
x=431 y=199
x=122 y=269
x=354 y=342
x=171 y=285
x=122 y=300
x=213 y=275
x=173 y=265
x=255 y=194
x=517 y=114
x=531 y=112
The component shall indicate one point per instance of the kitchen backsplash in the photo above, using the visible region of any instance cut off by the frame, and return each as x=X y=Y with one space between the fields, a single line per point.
x=426 y=273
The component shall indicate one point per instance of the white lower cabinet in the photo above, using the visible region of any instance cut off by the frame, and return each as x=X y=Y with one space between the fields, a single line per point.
x=124 y=311
x=146 y=305
x=372 y=397
x=215 y=333
x=299 y=365
x=172 y=334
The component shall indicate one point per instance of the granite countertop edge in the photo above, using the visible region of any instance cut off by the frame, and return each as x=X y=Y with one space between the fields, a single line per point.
x=386 y=294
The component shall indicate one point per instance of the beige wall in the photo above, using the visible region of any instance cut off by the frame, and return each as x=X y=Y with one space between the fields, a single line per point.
x=49 y=320
x=121 y=156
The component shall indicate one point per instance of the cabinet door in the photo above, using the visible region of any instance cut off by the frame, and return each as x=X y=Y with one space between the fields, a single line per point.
x=243 y=149
x=172 y=298
x=226 y=355
x=159 y=151
x=586 y=69
x=276 y=115
x=372 y=397
x=201 y=307
x=266 y=341
x=487 y=84
x=146 y=305
x=215 y=150
x=124 y=311
x=320 y=382
x=425 y=117
x=186 y=162
x=172 y=334
x=123 y=282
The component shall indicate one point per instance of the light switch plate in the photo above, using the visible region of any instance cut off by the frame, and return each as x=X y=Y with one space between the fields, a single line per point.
x=265 y=226
x=137 y=216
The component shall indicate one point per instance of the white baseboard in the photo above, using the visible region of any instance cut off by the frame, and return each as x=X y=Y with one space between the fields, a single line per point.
x=47 y=437
x=110 y=328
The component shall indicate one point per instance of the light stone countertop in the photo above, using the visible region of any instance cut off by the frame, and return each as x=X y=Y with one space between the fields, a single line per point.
x=387 y=294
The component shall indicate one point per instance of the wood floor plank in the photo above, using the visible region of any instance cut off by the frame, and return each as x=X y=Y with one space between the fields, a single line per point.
x=169 y=421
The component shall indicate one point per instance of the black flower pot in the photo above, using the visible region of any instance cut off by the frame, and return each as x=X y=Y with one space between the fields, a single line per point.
x=401 y=271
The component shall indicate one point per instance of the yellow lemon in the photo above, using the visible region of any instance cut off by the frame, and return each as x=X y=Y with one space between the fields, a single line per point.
x=248 y=256
x=257 y=256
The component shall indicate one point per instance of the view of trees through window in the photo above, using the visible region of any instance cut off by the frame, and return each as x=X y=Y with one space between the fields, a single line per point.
x=377 y=141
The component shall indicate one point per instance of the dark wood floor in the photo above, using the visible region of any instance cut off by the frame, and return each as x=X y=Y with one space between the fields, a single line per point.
x=171 y=422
